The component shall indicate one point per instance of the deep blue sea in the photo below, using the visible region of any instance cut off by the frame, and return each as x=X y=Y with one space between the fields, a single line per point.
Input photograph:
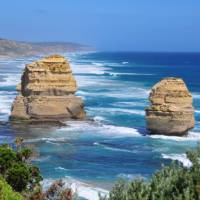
x=91 y=156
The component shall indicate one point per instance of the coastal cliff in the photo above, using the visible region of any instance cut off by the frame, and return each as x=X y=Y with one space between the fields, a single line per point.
x=171 y=111
x=47 y=92
x=11 y=48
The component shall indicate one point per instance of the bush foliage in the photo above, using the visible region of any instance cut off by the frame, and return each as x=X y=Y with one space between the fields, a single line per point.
x=173 y=182
x=7 y=193
x=17 y=174
x=16 y=168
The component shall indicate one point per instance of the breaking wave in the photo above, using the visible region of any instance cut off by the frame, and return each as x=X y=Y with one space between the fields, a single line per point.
x=82 y=189
x=179 y=157
x=192 y=136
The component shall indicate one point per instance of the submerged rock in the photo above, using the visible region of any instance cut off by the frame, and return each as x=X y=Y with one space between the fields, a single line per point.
x=171 y=111
x=47 y=92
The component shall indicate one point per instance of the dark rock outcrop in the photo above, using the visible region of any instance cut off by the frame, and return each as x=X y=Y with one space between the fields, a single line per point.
x=47 y=92
x=171 y=111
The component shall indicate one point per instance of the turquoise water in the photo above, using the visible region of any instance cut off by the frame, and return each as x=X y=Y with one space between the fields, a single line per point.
x=91 y=156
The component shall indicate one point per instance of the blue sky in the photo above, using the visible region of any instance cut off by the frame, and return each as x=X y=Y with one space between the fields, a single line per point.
x=138 y=25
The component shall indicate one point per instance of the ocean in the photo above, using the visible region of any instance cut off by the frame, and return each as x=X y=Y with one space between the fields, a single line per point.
x=91 y=155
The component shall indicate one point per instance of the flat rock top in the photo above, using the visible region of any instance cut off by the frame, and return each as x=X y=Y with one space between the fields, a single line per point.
x=170 y=87
x=53 y=63
x=173 y=84
x=54 y=59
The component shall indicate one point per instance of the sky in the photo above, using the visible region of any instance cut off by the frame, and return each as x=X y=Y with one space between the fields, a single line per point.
x=110 y=25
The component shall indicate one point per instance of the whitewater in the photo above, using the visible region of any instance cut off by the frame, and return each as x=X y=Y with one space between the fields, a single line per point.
x=91 y=156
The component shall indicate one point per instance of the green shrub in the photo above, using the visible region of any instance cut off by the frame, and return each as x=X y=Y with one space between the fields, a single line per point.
x=173 y=182
x=7 y=193
x=18 y=176
x=16 y=168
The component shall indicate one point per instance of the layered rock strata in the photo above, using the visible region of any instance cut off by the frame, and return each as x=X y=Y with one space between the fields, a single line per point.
x=47 y=92
x=171 y=111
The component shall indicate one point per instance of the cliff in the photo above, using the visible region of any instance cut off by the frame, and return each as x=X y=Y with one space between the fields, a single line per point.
x=47 y=92
x=11 y=48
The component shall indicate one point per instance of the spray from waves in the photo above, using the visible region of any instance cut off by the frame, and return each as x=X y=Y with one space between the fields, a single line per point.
x=99 y=128
x=5 y=103
x=192 y=136
x=132 y=176
x=196 y=95
x=113 y=148
x=117 y=110
x=116 y=131
x=197 y=111
x=179 y=157
x=88 y=69
x=8 y=93
x=129 y=104
x=53 y=143
x=91 y=81
x=10 y=79
x=112 y=64
x=21 y=66
x=51 y=140
x=61 y=168
x=83 y=190
x=98 y=64
x=79 y=127
x=42 y=159
x=127 y=74
x=99 y=119
x=7 y=98
x=121 y=130
x=130 y=93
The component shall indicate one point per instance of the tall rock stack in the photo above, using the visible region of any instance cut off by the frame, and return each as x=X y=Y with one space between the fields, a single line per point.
x=171 y=111
x=47 y=92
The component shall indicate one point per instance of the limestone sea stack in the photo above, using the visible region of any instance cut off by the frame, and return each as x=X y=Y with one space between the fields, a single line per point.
x=171 y=111
x=47 y=92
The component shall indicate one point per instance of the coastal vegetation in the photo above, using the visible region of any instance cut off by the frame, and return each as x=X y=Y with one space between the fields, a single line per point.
x=7 y=193
x=12 y=48
x=173 y=182
x=20 y=180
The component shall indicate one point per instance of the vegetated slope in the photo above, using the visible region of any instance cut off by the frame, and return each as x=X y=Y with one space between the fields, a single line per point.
x=11 y=48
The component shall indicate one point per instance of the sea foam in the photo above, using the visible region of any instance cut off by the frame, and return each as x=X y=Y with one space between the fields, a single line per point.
x=10 y=79
x=118 y=110
x=192 y=136
x=97 y=127
x=179 y=157
x=113 y=148
x=82 y=189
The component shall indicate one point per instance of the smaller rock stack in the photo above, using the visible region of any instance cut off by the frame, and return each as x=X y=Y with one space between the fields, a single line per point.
x=47 y=92
x=171 y=111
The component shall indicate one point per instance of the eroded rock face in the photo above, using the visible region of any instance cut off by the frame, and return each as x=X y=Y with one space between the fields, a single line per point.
x=171 y=111
x=47 y=92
